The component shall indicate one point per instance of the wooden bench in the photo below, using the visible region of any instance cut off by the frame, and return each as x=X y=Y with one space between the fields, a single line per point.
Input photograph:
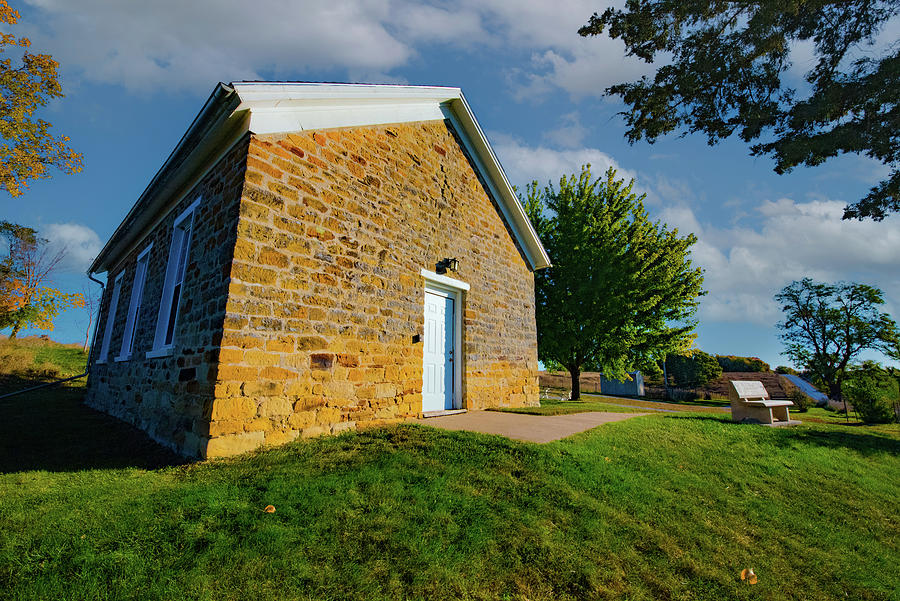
x=750 y=403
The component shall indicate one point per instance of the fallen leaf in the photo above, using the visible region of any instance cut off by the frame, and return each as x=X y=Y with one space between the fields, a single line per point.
x=269 y=509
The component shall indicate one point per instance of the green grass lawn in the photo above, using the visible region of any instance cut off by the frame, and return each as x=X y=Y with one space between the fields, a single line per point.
x=597 y=402
x=669 y=506
x=551 y=407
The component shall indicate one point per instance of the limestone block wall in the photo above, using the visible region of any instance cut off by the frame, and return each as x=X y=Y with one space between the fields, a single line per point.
x=326 y=296
x=170 y=397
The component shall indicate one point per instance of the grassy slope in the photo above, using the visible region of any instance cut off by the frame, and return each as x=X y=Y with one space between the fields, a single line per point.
x=565 y=407
x=658 y=507
x=31 y=360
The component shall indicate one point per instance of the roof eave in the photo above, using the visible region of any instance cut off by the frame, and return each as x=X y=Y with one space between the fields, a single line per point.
x=218 y=108
x=232 y=107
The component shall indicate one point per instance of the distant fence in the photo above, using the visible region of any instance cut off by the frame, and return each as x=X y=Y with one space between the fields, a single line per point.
x=674 y=394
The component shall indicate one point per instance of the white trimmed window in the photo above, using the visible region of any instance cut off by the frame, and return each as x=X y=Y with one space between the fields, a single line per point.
x=110 y=318
x=172 y=287
x=134 y=306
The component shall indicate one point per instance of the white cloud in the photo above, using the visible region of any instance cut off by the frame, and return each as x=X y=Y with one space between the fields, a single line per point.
x=187 y=45
x=79 y=243
x=570 y=134
x=746 y=266
x=524 y=164
x=586 y=67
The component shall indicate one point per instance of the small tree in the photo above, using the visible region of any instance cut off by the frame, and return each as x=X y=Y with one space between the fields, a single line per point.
x=826 y=326
x=29 y=148
x=736 y=363
x=874 y=392
x=25 y=300
x=622 y=291
x=692 y=369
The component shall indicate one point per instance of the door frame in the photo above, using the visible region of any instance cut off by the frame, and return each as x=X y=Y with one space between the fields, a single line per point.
x=456 y=289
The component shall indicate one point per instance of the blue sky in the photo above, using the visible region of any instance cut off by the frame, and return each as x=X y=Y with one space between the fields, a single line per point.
x=136 y=74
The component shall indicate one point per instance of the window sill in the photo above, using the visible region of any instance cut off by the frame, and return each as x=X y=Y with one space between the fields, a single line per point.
x=100 y=362
x=165 y=351
x=120 y=358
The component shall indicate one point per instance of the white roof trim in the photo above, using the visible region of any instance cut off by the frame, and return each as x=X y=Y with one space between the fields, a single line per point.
x=272 y=107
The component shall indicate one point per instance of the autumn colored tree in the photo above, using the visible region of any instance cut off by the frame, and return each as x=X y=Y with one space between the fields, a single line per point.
x=25 y=298
x=28 y=148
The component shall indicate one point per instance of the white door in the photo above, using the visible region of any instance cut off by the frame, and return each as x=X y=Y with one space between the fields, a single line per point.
x=437 y=385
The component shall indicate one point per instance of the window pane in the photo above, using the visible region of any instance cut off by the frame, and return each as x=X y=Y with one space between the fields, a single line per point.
x=182 y=258
x=173 y=312
x=110 y=319
x=173 y=285
x=134 y=309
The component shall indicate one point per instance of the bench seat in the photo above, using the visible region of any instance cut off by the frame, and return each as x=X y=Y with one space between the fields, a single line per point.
x=750 y=403
x=772 y=403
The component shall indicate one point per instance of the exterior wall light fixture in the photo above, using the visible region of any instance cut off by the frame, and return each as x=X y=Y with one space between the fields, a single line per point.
x=445 y=265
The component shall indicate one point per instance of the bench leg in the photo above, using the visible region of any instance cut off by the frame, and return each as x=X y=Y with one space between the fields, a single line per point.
x=781 y=414
x=740 y=413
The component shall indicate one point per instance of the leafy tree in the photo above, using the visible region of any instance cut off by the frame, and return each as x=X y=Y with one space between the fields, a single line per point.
x=622 y=291
x=735 y=363
x=826 y=326
x=692 y=369
x=25 y=300
x=722 y=70
x=874 y=392
x=28 y=148
x=784 y=369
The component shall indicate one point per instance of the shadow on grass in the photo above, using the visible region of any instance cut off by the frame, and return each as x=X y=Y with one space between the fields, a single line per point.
x=52 y=430
x=865 y=442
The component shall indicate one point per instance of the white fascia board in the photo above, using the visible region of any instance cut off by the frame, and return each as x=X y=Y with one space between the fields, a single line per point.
x=278 y=94
x=278 y=108
x=267 y=120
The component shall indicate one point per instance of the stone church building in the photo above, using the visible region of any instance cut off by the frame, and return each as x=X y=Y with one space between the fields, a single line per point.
x=313 y=258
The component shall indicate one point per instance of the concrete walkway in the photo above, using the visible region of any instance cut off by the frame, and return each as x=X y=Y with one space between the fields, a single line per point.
x=533 y=428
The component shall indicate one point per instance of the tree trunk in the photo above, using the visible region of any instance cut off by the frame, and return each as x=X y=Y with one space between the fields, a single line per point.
x=665 y=381
x=835 y=391
x=15 y=330
x=576 y=383
x=87 y=334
